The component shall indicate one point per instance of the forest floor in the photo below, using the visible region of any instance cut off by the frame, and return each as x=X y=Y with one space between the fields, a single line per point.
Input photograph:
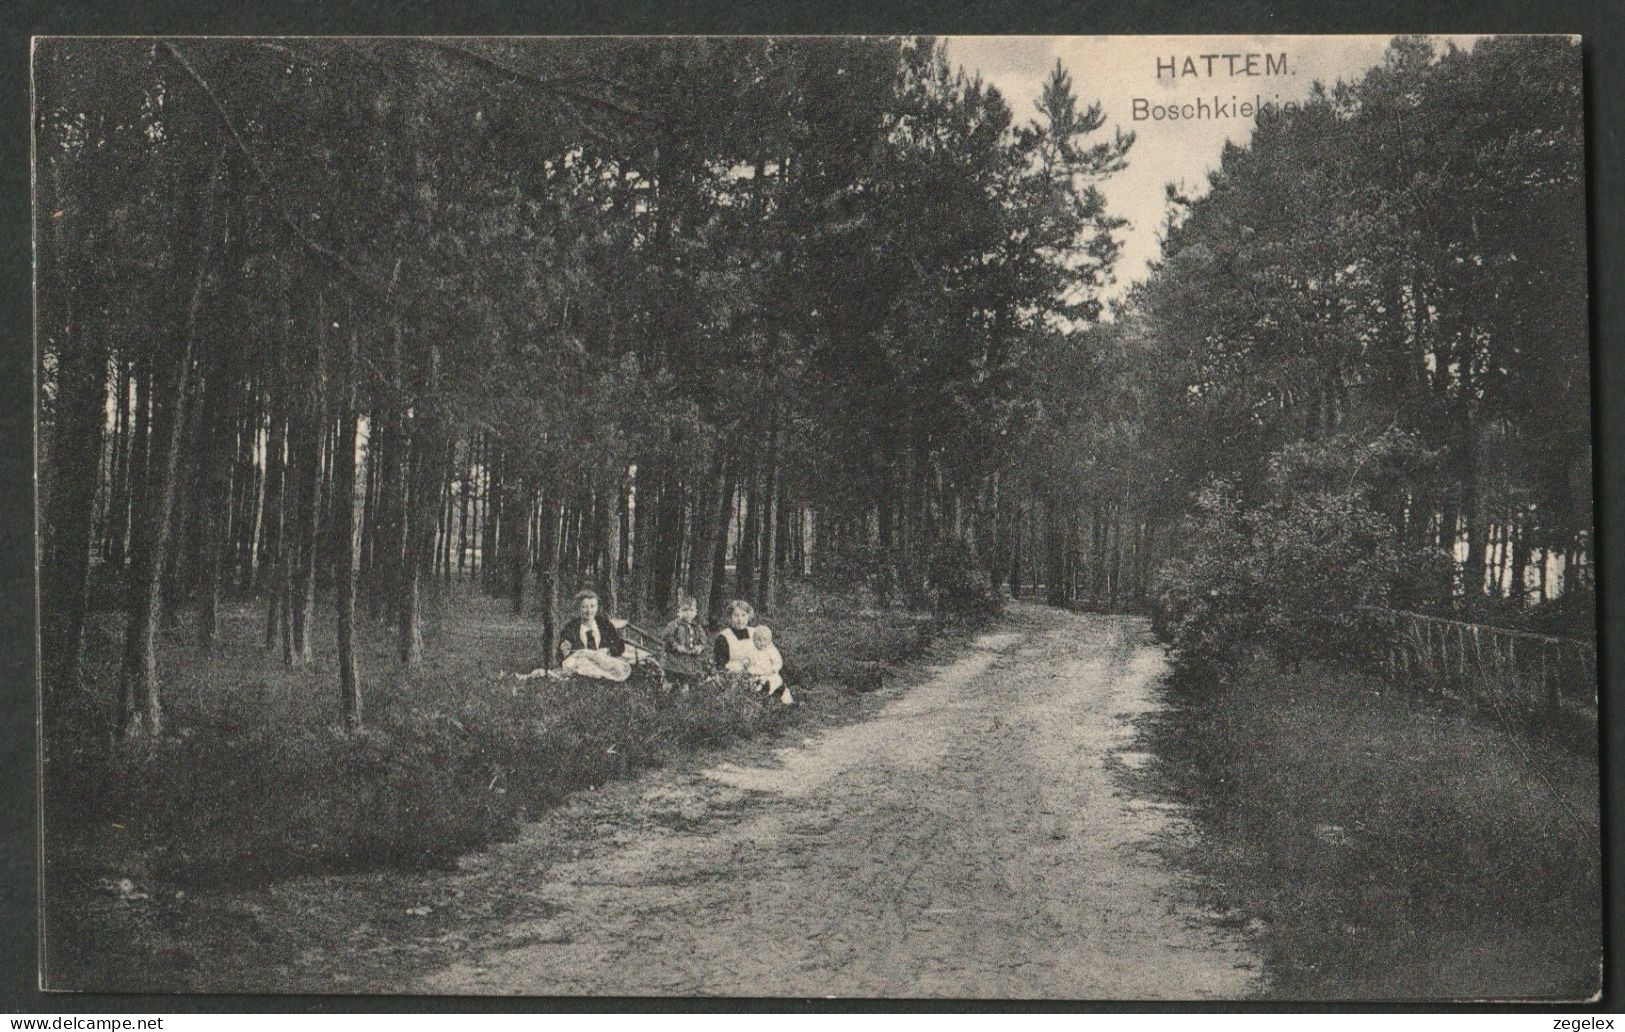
x=965 y=831
x=254 y=831
x=1035 y=813
x=1382 y=845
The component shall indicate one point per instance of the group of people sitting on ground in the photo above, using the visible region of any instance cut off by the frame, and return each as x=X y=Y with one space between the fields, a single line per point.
x=738 y=647
x=592 y=646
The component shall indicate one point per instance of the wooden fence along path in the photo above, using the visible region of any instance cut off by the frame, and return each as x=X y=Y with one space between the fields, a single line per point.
x=1531 y=671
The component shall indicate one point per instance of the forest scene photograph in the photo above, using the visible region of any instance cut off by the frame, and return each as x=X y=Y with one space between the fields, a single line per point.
x=1080 y=518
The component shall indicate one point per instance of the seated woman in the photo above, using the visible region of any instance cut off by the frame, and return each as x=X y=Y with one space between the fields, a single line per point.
x=732 y=648
x=591 y=646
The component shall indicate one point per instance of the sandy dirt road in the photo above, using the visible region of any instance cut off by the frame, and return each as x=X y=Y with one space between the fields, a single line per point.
x=981 y=836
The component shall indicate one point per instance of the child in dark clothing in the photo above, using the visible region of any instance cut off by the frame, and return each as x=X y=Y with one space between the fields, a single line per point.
x=684 y=639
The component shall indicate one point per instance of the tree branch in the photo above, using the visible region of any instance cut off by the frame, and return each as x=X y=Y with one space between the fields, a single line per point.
x=364 y=276
x=552 y=85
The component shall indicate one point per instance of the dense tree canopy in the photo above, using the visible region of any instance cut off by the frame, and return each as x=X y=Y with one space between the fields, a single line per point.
x=689 y=316
x=1390 y=279
x=657 y=316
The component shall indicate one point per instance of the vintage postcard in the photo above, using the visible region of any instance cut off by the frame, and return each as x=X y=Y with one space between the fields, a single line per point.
x=1080 y=518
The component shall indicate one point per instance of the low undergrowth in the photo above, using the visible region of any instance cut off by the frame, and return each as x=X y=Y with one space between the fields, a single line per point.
x=253 y=781
x=1379 y=845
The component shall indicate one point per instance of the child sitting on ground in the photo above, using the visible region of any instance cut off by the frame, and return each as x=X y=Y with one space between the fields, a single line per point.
x=684 y=639
x=763 y=662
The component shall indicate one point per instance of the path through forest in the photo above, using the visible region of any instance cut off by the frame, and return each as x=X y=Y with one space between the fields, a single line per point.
x=981 y=836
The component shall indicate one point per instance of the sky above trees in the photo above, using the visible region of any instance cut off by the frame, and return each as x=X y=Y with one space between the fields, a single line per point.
x=1117 y=69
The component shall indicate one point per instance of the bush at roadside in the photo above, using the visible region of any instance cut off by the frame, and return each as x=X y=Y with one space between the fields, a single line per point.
x=960 y=586
x=1287 y=573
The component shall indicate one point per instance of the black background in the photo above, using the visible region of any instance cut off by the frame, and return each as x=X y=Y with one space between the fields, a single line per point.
x=1601 y=24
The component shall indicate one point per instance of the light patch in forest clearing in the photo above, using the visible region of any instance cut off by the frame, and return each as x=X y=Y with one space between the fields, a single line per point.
x=801 y=770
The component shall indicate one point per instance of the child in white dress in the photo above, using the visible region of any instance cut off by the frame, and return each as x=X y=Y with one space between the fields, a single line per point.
x=763 y=662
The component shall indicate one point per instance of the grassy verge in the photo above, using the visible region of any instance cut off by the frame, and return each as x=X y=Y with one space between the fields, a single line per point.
x=253 y=782
x=1382 y=846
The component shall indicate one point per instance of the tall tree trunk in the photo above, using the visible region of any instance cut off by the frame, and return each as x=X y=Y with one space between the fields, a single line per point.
x=275 y=565
x=145 y=369
x=1141 y=560
x=344 y=512
x=578 y=554
x=750 y=534
x=480 y=506
x=428 y=466
x=303 y=537
x=490 y=530
x=119 y=486
x=251 y=484
x=770 y=522
x=81 y=405
x=667 y=559
x=789 y=515
x=221 y=393
x=610 y=513
x=1071 y=555
x=553 y=529
x=623 y=549
x=448 y=510
x=518 y=552
x=408 y=599
x=918 y=519
x=1449 y=528
x=707 y=515
x=180 y=564
x=639 y=586
x=371 y=494
x=274 y=519
x=327 y=552
x=567 y=536
x=1545 y=562
x=1117 y=558
x=1015 y=549
x=81 y=413
x=1473 y=568
x=1520 y=560
x=213 y=505
x=139 y=707
x=718 y=595
x=1054 y=590
x=1098 y=586
x=995 y=546
x=466 y=490
x=1495 y=541
x=387 y=449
